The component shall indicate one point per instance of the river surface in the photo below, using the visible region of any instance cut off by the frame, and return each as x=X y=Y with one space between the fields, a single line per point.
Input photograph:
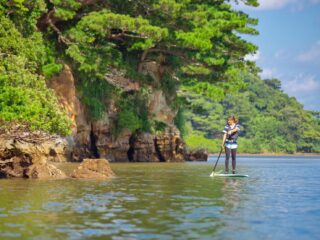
x=280 y=200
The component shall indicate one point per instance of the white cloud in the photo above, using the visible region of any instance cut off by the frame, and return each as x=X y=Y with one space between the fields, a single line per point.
x=305 y=89
x=282 y=55
x=301 y=85
x=311 y=55
x=295 y=5
x=253 y=57
x=274 y=4
x=268 y=73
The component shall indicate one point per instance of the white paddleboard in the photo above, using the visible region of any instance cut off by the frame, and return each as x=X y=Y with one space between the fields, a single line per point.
x=227 y=175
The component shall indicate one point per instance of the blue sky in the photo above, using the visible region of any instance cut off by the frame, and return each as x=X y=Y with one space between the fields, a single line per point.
x=289 y=46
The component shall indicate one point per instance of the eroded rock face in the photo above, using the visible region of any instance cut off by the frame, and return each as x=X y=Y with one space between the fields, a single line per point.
x=142 y=148
x=114 y=149
x=165 y=147
x=170 y=145
x=64 y=86
x=94 y=139
x=24 y=154
x=44 y=171
x=117 y=79
x=153 y=69
x=159 y=108
x=93 y=169
x=197 y=155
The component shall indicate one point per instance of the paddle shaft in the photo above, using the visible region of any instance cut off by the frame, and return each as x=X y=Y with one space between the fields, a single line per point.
x=214 y=168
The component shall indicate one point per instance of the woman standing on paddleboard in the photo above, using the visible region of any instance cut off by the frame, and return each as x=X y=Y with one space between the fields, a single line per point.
x=229 y=142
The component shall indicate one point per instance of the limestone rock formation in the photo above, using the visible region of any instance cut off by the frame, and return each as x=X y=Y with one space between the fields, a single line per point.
x=142 y=148
x=197 y=155
x=117 y=79
x=24 y=154
x=44 y=171
x=93 y=169
x=170 y=146
x=64 y=86
x=94 y=139
x=160 y=109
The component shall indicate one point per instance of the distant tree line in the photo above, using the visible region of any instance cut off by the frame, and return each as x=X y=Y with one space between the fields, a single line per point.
x=271 y=121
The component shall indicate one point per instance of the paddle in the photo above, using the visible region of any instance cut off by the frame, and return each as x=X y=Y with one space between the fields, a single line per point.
x=214 y=168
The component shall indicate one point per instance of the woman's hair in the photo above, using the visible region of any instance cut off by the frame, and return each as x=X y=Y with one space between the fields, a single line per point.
x=233 y=118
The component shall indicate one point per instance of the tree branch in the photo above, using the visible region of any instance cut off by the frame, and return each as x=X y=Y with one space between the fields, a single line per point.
x=61 y=38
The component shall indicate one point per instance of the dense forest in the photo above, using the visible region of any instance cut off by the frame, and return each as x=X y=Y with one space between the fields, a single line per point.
x=270 y=120
x=198 y=53
x=190 y=40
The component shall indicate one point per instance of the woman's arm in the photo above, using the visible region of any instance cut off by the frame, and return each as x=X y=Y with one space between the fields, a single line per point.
x=224 y=140
x=236 y=129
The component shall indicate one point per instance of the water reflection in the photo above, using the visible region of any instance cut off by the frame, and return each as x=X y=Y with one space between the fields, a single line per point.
x=148 y=201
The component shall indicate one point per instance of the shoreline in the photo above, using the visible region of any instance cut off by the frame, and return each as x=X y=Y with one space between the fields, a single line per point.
x=274 y=154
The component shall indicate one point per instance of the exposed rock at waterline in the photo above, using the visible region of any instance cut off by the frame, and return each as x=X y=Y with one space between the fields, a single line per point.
x=44 y=171
x=94 y=138
x=24 y=154
x=197 y=155
x=93 y=169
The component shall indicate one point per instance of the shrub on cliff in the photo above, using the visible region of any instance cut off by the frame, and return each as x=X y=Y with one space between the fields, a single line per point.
x=24 y=96
x=193 y=43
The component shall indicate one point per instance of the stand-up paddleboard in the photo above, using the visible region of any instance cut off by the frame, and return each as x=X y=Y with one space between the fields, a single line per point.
x=227 y=175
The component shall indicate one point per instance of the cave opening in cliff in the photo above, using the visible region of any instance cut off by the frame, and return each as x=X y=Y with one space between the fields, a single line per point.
x=130 y=152
x=158 y=151
x=93 y=145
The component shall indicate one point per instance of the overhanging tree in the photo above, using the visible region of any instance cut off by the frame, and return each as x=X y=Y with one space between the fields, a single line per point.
x=196 y=44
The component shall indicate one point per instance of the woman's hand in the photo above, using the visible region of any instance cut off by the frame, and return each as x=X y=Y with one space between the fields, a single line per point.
x=230 y=132
x=222 y=145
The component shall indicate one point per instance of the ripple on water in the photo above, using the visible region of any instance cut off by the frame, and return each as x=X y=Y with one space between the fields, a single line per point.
x=169 y=201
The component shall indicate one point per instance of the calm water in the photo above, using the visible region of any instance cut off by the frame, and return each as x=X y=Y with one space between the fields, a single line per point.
x=280 y=200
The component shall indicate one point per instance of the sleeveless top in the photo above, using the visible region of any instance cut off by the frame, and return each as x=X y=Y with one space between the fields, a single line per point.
x=233 y=137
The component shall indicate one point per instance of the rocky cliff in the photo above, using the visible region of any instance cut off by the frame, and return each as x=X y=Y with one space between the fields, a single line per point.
x=94 y=139
x=25 y=154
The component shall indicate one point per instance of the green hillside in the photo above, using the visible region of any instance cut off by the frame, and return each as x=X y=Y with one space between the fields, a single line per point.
x=271 y=120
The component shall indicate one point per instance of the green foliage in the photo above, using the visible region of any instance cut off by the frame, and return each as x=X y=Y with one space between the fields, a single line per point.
x=99 y=25
x=66 y=9
x=95 y=94
x=159 y=127
x=274 y=83
x=249 y=145
x=133 y=113
x=205 y=89
x=196 y=140
x=186 y=39
x=169 y=86
x=201 y=36
x=13 y=43
x=23 y=13
x=51 y=69
x=270 y=120
x=129 y=66
x=127 y=118
x=25 y=98
x=180 y=122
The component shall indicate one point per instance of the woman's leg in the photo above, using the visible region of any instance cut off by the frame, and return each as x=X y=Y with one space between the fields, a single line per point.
x=227 y=150
x=234 y=156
